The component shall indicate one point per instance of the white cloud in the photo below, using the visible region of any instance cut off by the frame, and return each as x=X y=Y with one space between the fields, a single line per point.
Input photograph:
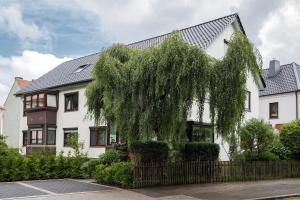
x=11 y=21
x=30 y=65
x=280 y=37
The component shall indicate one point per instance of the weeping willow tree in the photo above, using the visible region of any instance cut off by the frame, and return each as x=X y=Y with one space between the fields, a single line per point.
x=149 y=93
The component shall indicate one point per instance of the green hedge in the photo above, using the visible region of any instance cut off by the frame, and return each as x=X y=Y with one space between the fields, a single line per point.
x=16 y=167
x=200 y=151
x=290 y=138
x=150 y=151
x=120 y=174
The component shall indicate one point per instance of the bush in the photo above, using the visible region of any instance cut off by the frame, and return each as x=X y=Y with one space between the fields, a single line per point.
x=120 y=174
x=255 y=136
x=150 y=151
x=109 y=157
x=278 y=149
x=123 y=151
x=290 y=138
x=200 y=151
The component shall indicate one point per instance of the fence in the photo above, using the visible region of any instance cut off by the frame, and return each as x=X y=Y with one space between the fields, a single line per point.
x=150 y=174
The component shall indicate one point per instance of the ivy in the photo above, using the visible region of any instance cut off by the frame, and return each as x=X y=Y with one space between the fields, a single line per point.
x=149 y=93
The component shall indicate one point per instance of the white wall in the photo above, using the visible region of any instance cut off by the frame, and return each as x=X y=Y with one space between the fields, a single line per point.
x=286 y=108
x=218 y=49
x=1 y=120
x=11 y=117
x=75 y=119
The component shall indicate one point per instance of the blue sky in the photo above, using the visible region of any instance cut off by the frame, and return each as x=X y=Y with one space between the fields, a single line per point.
x=36 y=36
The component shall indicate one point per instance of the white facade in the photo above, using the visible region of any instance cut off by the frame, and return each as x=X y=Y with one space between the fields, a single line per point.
x=11 y=117
x=287 y=108
x=1 y=119
x=218 y=50
x=77 y=119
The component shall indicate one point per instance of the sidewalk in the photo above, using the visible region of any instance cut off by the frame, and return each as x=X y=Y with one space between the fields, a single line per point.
x=224 y=191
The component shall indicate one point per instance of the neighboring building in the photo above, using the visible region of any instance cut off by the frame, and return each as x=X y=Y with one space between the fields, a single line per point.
x=13 y=112
x=279 y=101
x=1 y=119
x=55 y=103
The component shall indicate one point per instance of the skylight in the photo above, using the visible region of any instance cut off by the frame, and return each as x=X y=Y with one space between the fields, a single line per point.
x=82 y=67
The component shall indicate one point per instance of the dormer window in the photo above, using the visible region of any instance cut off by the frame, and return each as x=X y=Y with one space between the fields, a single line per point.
x=81 y=68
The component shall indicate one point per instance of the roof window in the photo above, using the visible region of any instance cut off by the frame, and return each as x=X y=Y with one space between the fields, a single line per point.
x=82 y=67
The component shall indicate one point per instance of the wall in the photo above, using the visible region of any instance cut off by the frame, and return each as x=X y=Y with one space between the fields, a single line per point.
x=1 y=120
x=75 y=119
x=218 y=49
x=11 y=117
x=286 y=108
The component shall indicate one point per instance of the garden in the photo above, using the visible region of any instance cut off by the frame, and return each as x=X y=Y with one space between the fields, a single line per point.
x=146 y=95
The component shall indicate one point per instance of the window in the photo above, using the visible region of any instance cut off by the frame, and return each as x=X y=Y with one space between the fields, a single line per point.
x=98 y=136
x=28 y=102
x=51 y=136
x=51 y=100
x=68 y=133
x=274 y=110
x=112 y=136
x=248 y=101
x=71 y=101
x=24 y=138
x=41 y=100
x=201 y=133
x=36 y=136
x=81 y=68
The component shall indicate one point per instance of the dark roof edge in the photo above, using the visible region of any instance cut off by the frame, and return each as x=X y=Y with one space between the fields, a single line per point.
x=236 y=14
x=292 y=91
x=55 y=87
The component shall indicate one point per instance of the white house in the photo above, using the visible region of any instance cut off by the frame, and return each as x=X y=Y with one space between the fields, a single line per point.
x=55 y=108
x=279 y=101
x=13 y=112
x=1 y=119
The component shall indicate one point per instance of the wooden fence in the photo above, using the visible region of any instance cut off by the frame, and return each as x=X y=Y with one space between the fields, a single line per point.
x=150 y=174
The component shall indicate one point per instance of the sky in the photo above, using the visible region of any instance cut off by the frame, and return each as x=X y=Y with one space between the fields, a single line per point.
x=36 y=36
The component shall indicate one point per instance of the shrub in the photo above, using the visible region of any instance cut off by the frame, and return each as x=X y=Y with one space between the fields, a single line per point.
x=150 y=151
x=123 y=151
x=120 y=174
x=255 y=136
x=200 y=151
x=290 y=138
x=109 y=157
x=278 y=149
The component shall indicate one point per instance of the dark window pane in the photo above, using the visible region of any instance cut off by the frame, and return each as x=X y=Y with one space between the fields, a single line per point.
x=67 y=134
x=51 y=136
x=274 y=110
x=24 y=138
x=101 y=136
x=93 y=141
x=112 y=135
x=28 y=102
x=33 y=137
x=40 y=137
x=71 y=102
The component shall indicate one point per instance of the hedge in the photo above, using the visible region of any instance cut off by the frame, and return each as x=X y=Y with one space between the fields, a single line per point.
x=200 y=151
x=120 y=174
x=150 y=151
x=16 y=167
x=290 y=138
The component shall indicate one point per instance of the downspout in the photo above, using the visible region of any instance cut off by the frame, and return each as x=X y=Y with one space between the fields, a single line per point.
x=297 y=115
x=298 y=87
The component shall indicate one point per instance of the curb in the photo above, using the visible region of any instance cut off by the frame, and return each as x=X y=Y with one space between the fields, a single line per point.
x=277 y=197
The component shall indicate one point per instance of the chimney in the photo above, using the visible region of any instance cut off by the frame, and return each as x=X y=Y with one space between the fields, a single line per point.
x=18 y=78
x=274 y=68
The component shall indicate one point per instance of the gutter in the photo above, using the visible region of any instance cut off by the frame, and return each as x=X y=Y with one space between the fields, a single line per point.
x=297 y=114
x=298 y=87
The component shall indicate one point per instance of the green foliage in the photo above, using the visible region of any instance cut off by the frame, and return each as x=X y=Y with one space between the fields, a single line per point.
x=123 y=151
x=75 y=144
x=200 y=151
x=278 y=149
x=254 y=156
x=120 y=174
x=14 y=167
x=148 y=93
x=109 y=157
x=150 y=151
x=290 y=138
x=228 y=83
x=255 y=136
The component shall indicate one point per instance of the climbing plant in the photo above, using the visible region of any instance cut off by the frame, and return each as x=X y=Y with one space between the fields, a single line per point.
x=149 y=93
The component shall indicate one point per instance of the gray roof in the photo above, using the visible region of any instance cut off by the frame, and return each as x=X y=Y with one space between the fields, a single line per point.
x=201 y=35
x=286 y=80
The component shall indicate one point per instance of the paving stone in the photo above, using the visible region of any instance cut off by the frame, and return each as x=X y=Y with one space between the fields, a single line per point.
x=10 y=190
